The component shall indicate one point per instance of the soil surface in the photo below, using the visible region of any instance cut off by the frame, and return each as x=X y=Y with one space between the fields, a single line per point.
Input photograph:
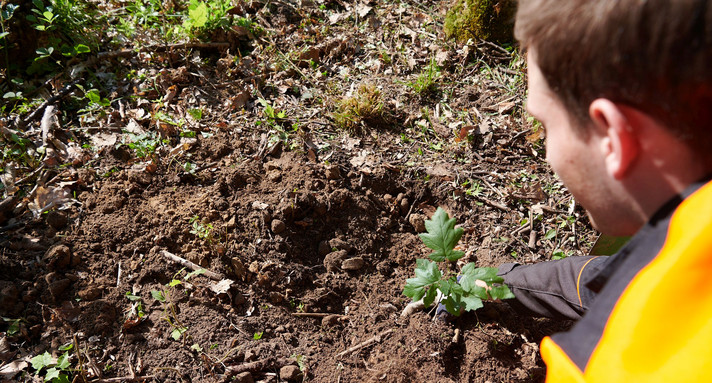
x=309 y=233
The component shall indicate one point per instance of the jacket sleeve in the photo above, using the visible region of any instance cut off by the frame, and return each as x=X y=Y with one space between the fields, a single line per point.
x=553 y=289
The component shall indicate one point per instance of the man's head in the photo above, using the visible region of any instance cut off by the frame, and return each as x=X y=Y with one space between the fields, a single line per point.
x=624 y=89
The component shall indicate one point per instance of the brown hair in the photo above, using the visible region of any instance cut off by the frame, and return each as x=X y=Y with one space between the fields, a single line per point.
x=653 y=55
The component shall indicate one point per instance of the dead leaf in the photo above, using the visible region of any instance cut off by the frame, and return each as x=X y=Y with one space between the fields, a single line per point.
x=363 y=10
x=222 y=287
x=464 y=132
x=13 y=368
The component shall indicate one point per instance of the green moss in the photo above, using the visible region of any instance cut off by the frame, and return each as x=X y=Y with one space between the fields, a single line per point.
x=491 y=20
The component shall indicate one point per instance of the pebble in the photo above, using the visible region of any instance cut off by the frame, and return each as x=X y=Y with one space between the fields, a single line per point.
x=290 y=373
x=330 y=320
x=278 y=226
x=275 y=176
x=90 y=293
x=353 y=264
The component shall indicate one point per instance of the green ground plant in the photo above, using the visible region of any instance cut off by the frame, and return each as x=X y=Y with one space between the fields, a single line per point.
x=475 y=283
x=426 y=82
x=166 y=295
x=365 y=106
x=55 y=371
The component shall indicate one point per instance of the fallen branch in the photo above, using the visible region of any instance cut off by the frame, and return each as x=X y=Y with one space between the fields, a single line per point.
x=260 y=365
x=192 y=266
x=370 y=341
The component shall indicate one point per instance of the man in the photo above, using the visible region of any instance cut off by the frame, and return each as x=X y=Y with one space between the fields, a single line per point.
x=624 y=91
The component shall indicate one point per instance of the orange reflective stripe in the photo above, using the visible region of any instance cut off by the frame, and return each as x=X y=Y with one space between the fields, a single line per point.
x=578 y=281
x=661 y=327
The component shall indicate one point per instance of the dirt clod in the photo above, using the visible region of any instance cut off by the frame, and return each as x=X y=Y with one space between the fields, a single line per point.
x=57 y=220
x=58 y=257
x=333 y=260
x=332 y=172
x=290 y=373
x=418 y=222
x=243 y=377
x=278 y=226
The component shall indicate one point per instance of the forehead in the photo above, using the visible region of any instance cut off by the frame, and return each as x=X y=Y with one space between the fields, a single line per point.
x=540 y=99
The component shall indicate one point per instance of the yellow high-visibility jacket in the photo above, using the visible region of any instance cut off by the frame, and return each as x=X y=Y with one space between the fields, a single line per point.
x=647 y=310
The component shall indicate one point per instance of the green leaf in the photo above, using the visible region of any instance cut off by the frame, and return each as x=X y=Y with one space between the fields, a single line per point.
x=198 y=13
x=257 y=335
x=93 y=96
x=63 y=361
x=158 y=295
x=551 y=234
x=132 y=297
x=174 y=283
x=61 y=379
x=3 y=34
x=471 y=302
x=453 y=304
x=194 y=273
x=501 y=292
x=81 y=48
x=52 y=373
x=442 y=236
x=178 y=332
x=426 y=274
x=41 y=361
x=66 y=346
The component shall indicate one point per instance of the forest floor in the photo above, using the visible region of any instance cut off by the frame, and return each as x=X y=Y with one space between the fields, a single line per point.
x=294 y=158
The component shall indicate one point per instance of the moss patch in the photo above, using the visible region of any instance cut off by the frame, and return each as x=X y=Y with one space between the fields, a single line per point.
x=491 y=20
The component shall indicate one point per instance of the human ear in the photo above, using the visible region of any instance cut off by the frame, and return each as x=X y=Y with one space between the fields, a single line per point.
x=619 y=143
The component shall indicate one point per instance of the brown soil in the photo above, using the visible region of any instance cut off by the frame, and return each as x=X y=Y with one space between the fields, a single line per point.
x=279 y=221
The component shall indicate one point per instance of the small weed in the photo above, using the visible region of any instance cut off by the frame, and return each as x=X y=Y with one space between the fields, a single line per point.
x=365 y=107
x=257 y=335
x=56 y=371
x=169 y=311
x=463 y=295
x=426 y=82
x=202 y=230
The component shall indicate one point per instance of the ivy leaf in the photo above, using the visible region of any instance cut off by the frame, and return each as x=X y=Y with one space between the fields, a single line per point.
x=177 y=332
x=41 y=361
x=63 y=361
x=442 y=237
x=426 y=274
x=52 y=373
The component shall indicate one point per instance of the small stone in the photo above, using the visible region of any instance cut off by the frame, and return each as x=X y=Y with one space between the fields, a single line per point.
x=290 y=373
x=58 y=220
x=418 y=222
x=333 y=260
x=332 y=172
x=324 y=248
x=353 y=264
x=58 y=257
x=280 y=329
x=231 y=224
x=243 y=377
x=387 y=198
x=278 y=226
